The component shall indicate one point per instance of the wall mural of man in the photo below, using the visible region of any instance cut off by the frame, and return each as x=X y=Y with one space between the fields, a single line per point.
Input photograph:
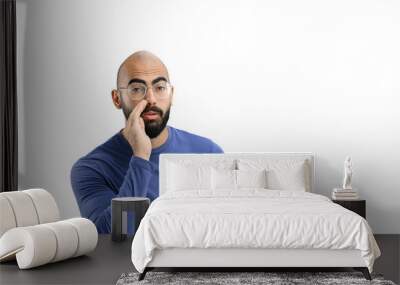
x=127 y=163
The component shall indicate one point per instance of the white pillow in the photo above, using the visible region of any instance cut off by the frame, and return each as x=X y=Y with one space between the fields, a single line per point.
x=188 y=177
x=251 y=178
x=287 y=179
x=227 y=179
x=218 y=161
x=223 y=179
x=282 y=174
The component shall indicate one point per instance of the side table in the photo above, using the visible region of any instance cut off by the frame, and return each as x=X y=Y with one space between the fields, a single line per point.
x=357 y=206
x=120 y=209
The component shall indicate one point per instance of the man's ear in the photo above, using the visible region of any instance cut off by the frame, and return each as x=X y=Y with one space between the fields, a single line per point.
x=115 y=95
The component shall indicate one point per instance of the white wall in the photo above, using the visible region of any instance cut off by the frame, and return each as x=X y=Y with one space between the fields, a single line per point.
x=320 y=76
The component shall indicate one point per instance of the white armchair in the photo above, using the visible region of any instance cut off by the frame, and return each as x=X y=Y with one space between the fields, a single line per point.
x=31 y=231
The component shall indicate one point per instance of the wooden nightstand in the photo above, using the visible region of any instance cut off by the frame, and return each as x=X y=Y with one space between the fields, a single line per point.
x=357 y=206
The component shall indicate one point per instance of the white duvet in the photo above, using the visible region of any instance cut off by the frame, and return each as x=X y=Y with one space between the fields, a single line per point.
x=251 y=218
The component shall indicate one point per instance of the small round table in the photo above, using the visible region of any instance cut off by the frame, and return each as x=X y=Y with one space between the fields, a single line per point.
x=120 y=207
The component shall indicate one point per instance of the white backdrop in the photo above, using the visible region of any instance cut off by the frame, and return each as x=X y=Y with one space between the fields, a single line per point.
x=262 y=76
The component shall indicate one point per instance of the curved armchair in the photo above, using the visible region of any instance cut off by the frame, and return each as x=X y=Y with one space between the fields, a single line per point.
x=31 y=230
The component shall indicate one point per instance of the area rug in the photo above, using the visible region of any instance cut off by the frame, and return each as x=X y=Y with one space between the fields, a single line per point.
x=269 y=278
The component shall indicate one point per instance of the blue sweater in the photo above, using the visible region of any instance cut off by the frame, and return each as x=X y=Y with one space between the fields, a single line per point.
x=111 y=170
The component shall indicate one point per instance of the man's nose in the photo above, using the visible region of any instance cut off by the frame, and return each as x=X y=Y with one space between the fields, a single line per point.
x=150 y=96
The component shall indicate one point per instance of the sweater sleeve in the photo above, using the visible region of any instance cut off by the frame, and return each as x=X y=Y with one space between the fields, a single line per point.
x=216 y=148
x=94 y=195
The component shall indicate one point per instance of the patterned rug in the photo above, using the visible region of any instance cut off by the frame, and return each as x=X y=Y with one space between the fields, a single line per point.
x=270 y=278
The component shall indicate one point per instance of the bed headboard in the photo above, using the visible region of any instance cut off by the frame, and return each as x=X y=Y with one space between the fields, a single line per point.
x=165 y=158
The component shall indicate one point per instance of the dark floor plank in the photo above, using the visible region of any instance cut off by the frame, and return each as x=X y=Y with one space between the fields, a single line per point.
x=389 y=262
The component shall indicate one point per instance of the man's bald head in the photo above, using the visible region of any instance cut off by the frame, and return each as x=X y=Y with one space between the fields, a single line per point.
x=140 y=63
x=138 y=69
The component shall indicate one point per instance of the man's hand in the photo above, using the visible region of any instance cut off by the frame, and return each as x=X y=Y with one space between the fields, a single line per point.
x=135 y=133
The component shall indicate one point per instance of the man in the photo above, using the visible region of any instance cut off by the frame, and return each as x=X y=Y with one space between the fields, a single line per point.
x=127 y=163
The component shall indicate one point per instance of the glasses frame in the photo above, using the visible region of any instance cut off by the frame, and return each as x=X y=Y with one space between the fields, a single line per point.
x=169 y=86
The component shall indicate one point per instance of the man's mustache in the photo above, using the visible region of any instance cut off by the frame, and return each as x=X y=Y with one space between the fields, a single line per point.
x=153 y=109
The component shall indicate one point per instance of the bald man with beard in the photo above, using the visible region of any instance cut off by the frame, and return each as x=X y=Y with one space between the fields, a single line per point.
x=126 y=165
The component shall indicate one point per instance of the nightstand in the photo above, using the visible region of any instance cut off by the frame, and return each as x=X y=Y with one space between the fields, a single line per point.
x=357 y=206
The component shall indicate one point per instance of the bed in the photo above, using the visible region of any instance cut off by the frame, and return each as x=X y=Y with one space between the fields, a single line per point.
x=247 y=210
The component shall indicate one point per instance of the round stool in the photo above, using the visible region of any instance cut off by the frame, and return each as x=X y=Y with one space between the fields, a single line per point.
x=120 y=208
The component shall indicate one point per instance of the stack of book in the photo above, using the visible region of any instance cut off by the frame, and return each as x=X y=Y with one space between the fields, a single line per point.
x=344 y=194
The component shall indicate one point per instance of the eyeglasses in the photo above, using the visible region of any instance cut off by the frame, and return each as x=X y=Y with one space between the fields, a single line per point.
x=137 y=91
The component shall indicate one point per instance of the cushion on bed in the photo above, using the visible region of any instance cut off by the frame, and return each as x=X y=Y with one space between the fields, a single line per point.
x=230 y=180
x=184 y=177
x=223 y=179
x=187 y=174
x=251 y=178
x=220 y=174
x=219 y=162
x=282 y=174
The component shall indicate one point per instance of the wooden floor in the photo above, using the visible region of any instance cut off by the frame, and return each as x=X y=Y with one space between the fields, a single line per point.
x=389 y=262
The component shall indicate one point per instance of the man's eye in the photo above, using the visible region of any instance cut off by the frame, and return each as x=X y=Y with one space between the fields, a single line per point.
x=160 y=88
x=136 y=90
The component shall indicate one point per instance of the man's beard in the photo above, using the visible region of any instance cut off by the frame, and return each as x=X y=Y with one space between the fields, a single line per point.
x=152 y=127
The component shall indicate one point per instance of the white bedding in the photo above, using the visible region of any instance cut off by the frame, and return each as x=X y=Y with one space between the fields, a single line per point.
x=250 y=218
